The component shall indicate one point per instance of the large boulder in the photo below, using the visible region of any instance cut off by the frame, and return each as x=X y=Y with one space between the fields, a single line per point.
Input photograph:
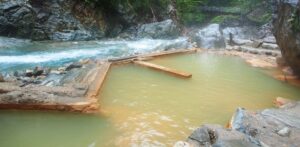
x=287 y=32
x=156 y=30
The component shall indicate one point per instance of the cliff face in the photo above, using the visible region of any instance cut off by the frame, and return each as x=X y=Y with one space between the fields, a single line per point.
x=287 y=32
x=67 y=19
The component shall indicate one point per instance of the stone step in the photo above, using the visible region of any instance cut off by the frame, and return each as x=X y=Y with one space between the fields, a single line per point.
x=256 y=50
x=270 y=46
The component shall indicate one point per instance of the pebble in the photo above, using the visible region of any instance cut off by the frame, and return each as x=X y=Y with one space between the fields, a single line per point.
x=181 y=144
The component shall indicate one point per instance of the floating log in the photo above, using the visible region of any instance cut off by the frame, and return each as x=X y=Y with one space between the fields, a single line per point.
x=95 y=87
x=164 y=69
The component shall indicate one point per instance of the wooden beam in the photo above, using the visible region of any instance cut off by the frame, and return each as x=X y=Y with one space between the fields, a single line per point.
x=164 y=69
x=129 y=59
x=95 y=87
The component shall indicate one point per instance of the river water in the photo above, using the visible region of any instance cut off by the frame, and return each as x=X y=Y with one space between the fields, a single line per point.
x=143 y=107
x=17 y=54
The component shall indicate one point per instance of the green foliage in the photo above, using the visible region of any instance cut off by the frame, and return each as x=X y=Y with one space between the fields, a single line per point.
x=187 y=11
x=191 y=18
x=295 y=21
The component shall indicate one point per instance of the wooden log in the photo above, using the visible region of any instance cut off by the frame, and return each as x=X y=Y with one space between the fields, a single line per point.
x=129 y=59
x=172 y=52
x=122 y=59
x=164 y=69
x=95 y=87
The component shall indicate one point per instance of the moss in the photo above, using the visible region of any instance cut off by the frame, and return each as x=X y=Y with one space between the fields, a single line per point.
x=221 y=18
x=262 y=19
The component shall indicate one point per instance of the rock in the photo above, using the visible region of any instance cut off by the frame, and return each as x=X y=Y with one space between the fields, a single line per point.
x=260 y=51
x=286 y=31
x=17 y=18
x=84 y=61
x=37 y=71
x=270 y=46
x=221 y=137
x=47 y=71
x=242 y=41
x=1 y=78
x=182 y=144
x=270 y=39
x=163 y=29
x=16 y=73
x=256 y=43
x=62 y=69
x=58 y=72
x=28 y=73
x=201 y=135
x=245 y=32
x=210 y=37
x=72 y=66
x=285 y=132
x=55 y=20
x=262 y=125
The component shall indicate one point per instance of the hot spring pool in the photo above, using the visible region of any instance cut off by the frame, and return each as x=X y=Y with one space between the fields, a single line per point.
x=143 y=107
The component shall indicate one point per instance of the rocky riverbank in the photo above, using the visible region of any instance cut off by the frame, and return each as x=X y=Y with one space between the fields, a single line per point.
x=266 y=128
x=64 y=89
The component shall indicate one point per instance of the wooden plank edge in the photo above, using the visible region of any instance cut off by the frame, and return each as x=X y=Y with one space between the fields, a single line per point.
x=125 y=60
x=98 y=82
x=163 y=69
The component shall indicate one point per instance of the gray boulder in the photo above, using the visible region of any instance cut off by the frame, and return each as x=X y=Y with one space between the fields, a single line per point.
x=217 y=136
x=157 y=30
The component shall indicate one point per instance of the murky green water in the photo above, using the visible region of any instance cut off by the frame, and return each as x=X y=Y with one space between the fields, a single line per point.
x=142 y=107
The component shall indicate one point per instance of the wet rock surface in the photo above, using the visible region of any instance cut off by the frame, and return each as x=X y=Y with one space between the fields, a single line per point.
x=158 y=30
x=287 y=33
x=269 y=127
x=67 y=20
x=62 y=89
x=47 y=20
